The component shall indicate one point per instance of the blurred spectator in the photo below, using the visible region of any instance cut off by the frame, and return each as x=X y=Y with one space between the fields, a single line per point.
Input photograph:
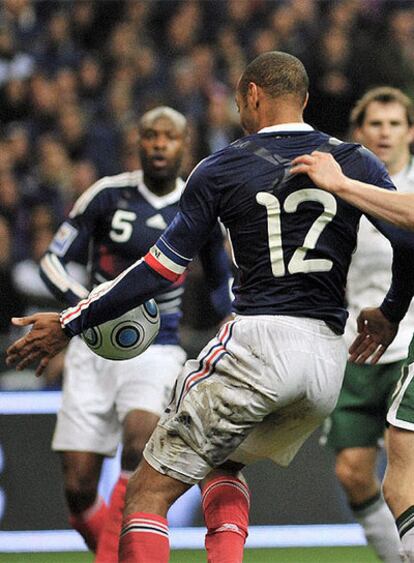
x=14 y=104
x=95 y=141
x=58 y=50
x=332 y=77
x=83 y=176
x=90 y=83
x=66 y=81
x=44 y=103
x=18 y=141
x=9 y=197
x=21 y=17
x=219 y=128
x=13 y=63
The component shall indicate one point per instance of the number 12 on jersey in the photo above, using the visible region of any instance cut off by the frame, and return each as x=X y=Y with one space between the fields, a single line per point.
x=298 y=264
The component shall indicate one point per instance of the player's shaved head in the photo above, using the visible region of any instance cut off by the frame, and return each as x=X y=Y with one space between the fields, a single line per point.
x=278 y=74
x=153 y=115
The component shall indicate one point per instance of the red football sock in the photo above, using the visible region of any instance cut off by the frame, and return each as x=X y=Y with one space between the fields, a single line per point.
x=108 y=544
x=226 y=502
x=90 y=522
x=144 y=539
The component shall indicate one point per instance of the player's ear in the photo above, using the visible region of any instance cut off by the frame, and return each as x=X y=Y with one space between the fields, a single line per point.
x=305 y=103
x=253 y=94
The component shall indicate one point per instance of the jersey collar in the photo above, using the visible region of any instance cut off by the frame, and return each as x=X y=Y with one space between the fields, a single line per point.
x=158 y=202
x=287 y=127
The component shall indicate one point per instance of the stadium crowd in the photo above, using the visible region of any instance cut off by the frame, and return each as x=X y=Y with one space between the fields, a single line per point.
x=75 y=75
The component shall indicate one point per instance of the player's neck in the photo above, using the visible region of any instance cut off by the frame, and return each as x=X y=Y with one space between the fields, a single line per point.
x=160 y=186
x=399 y=164
x=284 y=115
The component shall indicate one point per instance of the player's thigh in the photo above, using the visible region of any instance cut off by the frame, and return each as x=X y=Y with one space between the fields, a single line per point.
x=145 y=383
x=87 y=419
x=401 y=448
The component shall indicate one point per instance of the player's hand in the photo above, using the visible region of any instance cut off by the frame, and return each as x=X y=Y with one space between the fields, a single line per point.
x=322 y=169
x=45 y=339
x=376 y=333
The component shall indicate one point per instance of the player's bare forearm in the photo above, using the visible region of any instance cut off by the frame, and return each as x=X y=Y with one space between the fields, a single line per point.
x=45 y=339
x=325 y=172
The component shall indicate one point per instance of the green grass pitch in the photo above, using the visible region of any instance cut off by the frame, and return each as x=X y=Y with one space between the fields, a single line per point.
x=289 y=555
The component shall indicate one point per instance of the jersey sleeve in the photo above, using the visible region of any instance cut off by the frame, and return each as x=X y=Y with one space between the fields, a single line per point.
x=164 y=263
x=70 y=244
x=401 y=291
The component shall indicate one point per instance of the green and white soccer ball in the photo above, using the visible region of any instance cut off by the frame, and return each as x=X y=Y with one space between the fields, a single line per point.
x=126 y=336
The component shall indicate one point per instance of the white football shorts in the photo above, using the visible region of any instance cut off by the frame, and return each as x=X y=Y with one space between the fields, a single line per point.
x=98 y=394
x=256 y=391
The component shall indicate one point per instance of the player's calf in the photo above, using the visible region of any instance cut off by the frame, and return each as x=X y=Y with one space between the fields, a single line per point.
x=226 y=501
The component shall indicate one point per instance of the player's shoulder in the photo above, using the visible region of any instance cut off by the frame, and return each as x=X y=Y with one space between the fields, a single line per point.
x=354 y=157
x=108 y=186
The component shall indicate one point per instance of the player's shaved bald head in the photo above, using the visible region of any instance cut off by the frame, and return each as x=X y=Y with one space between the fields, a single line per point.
x=153 y=115
x=278 y=74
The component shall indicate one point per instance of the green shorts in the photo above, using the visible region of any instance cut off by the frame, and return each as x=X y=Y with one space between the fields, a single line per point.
x=401 y=411
x=359 y=418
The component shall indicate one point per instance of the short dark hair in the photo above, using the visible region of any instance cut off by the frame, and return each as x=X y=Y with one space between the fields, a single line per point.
x=278 y=73
x=383 y=95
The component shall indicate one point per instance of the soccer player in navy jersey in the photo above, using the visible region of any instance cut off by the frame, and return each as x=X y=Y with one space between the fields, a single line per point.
x=271 y=375
x=377 y=328
x=106 y=402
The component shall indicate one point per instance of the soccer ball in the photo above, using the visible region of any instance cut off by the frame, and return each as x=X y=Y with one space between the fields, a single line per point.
x=126 y=336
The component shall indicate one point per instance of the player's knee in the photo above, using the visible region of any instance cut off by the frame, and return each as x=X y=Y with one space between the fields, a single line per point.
x=80 y=498
x=130 y=458
x=351 y=477
x=80 y=490
x=132 y=454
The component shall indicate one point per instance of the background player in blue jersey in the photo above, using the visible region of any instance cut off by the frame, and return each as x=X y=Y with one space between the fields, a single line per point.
x=382 y=121
x=377 y=329
x=104 y=402
x=270 y=377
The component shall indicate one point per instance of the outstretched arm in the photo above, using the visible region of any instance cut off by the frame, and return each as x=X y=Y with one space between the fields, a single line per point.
x=325 y=172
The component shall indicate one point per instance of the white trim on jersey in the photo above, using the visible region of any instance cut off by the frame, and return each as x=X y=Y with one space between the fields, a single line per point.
x=127 y=179
x=119 y=181
x=166 y=262
x=169 y=295
x=60 y=278
x=170 y=306
x=72 y=313
x=159 y=202
x=299 y=126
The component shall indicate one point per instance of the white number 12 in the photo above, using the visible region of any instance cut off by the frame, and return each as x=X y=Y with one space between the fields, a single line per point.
x=298 y=264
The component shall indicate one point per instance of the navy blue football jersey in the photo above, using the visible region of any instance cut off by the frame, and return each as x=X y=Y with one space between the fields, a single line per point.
x=292 y=242
x=114 y=223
